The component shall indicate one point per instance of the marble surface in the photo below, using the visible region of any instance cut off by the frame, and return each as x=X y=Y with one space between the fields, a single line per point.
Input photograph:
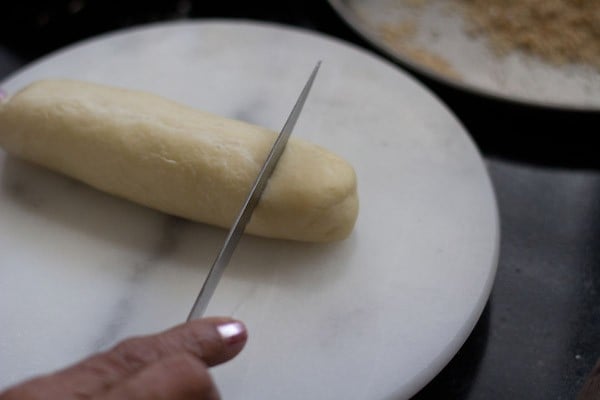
x=375 y=316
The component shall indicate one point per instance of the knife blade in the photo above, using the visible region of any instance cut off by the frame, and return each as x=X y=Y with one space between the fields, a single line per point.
x=237 y=229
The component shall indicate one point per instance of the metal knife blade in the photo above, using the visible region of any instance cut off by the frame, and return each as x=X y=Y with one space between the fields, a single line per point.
x=237 y=229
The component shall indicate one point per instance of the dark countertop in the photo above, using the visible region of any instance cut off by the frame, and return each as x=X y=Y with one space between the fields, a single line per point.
x=539 y=335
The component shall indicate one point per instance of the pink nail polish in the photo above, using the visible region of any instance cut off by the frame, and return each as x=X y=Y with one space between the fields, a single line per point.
x=232 y=332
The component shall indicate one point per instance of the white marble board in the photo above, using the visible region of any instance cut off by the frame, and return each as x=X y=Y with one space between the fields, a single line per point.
x=373 y=317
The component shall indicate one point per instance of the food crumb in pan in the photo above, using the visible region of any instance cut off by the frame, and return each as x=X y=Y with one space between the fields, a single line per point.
x=399 y=36
x=414 y=3
x=557 y=31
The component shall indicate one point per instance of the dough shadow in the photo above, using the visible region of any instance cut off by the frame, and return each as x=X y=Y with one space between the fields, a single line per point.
x=78 y=207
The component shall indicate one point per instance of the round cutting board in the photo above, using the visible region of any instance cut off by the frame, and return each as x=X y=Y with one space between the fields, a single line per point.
x=373 y=317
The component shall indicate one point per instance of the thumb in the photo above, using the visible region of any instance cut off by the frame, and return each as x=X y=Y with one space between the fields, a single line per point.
x=212 y=341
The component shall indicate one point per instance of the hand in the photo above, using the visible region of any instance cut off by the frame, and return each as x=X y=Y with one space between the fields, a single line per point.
x=591 y=386
x=171 y=365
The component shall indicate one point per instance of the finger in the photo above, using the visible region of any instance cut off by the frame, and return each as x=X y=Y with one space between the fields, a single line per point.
x=178 y=377
x=211 y=340
x=35 y=389
x=591 y=386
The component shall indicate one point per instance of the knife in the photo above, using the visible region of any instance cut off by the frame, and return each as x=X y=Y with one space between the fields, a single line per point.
x=237 y=229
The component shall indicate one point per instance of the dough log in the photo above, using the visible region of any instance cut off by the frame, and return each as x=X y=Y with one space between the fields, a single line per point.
x=179 y=160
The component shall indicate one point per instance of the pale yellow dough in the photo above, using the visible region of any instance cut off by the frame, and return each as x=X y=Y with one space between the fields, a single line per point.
x=179 y=160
